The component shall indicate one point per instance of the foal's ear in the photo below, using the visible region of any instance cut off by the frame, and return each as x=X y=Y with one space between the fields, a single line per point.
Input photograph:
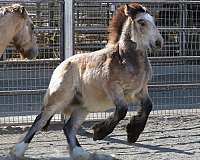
x=127 y=11
x=20 y=9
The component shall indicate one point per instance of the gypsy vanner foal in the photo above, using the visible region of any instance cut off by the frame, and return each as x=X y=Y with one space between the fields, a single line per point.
x=94 y=82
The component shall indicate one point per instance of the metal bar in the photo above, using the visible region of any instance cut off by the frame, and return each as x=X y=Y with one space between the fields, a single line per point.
x=172 y=59
x=157 y=87
x=69 y=37
x=104 y=29
x=62 y=32
x=143 y=1
x=37 y=61
x=22 y=92
x=173 y=86
x=26 y=1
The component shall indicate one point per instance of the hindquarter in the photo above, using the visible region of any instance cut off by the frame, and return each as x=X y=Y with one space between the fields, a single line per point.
x=62 y=85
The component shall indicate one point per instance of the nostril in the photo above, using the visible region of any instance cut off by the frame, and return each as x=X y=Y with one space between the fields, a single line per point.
x=158 y=43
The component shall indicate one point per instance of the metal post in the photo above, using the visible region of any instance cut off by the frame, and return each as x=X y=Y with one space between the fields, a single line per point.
x=69 y=35
x=67 y=28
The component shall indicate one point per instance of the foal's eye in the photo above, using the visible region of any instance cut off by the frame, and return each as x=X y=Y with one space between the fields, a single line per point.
x=141 y=22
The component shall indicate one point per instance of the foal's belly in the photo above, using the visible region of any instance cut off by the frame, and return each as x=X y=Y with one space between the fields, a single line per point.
x=99 y=106
x=97 y=101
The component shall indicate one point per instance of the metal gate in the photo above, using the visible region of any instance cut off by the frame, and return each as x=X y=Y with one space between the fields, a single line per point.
x=175 y=87
x=23 y=82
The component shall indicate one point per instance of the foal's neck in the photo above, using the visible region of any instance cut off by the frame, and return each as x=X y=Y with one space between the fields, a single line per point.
x=126 y=33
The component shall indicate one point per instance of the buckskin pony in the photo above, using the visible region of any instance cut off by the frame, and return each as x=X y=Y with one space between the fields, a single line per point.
x=17 y=26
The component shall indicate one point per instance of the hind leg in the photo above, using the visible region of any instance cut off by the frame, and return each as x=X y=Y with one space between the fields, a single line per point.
x=19 y=149
x=70 y=130
x=138 y=122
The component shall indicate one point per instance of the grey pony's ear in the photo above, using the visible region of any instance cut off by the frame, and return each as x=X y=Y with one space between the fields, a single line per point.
x=20 y=9
x=127 y=10
x=23 y=11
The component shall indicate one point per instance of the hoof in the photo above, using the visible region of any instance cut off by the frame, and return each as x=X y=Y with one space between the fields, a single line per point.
x=134 y=129
x=132 y=138
x=79 y=153
x=101 y=130
x=18 y=150
x=132 y=133
x=96 y=156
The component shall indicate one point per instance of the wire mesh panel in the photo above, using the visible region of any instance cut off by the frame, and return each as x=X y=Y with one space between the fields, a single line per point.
x=23 y=82
x=176 y=77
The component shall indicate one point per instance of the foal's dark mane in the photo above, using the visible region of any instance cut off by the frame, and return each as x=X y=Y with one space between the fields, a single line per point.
x=118 y=19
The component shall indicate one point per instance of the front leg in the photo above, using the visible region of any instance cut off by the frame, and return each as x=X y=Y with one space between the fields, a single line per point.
x=138 y=122
x=105 y=127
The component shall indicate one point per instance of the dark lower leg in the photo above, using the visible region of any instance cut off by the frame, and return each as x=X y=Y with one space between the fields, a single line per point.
x=39 y=122
x=138 y=122
x=19 y=149
x=70 y=134
x=45 y=128
x=31 y=131
x=105 y=127
x=71 y=127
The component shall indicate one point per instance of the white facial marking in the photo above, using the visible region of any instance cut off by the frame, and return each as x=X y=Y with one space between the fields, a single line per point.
x=148 y=17
x=144 y=8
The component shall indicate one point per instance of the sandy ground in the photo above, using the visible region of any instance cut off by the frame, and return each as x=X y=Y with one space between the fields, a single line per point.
x=164 y=138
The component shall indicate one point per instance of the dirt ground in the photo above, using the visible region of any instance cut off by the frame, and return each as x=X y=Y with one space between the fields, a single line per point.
x=164 y=138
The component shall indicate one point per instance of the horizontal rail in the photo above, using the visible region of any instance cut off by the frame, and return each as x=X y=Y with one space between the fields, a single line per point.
x=47 y=29
x=173 y=59
x=93 y=30
x=153 y=87
x=161 y=87
x=57 y=60
x=22 y=92
x=38 y=61
x=30 y=1
x=143 y=1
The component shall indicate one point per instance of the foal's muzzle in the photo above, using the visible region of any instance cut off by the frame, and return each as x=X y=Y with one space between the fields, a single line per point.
x=31 y=53
x=157 y=45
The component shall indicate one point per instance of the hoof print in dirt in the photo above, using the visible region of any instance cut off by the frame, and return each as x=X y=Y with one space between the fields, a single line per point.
x=97 y=156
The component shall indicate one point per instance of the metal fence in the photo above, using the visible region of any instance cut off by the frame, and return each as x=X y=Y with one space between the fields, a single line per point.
x=23 y=82
x=175 y=87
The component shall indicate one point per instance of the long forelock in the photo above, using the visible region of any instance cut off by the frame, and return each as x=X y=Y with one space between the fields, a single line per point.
x=116 y=24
